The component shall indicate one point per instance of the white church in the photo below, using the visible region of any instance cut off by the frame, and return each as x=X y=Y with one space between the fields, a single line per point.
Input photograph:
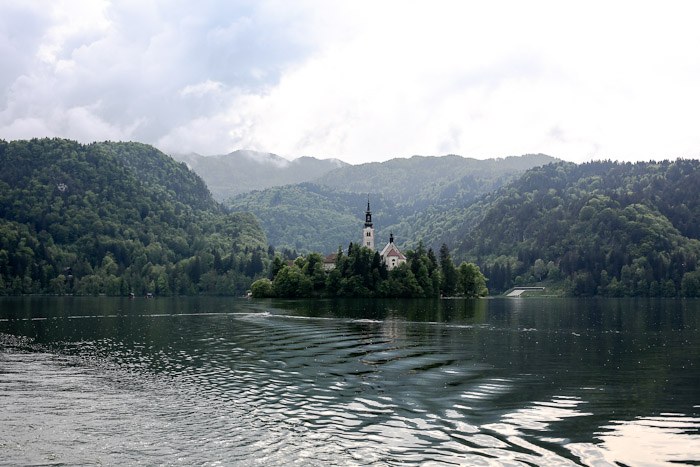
x=390 y=254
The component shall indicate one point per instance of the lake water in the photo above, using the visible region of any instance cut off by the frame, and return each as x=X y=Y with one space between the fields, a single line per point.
x=246 y=382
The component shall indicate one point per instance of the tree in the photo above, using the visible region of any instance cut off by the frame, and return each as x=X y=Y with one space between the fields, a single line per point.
x=472 y=283
x=690 y=284
x=291 y=282
x=553 y=272
x=313 y=269
x=401 y=283
x=262 y=288
x=449 y=273
x=255 y=266
x=539 y=269
x=277 y=264
x=57 y=285
x=333 y=283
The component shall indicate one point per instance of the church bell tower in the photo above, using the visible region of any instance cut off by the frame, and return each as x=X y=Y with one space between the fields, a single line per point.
x=368 y=231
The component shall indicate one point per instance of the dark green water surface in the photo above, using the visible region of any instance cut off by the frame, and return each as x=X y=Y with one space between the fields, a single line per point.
x=188 y=381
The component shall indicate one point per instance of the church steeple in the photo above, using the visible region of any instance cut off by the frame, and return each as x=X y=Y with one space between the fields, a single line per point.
x=368 y=215
x=368 y=231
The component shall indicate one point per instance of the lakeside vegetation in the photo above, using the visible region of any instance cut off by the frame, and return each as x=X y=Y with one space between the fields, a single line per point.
x=361 y=273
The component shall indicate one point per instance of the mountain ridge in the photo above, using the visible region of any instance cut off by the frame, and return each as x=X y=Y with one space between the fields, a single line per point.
x=322 y=214
x=242 y=171
x=116 y=218
x=604 y=228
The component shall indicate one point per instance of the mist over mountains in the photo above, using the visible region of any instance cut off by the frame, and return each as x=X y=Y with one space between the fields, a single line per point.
x=241 y=171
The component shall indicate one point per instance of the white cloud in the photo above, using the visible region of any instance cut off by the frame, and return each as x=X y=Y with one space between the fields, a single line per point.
x=364 y=81
x=205 y=133
x=72 y=21
x=202 y=89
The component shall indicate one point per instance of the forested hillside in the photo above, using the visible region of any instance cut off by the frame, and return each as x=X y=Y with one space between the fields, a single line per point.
x=607 y=228
x=419 y=181
x=243 y=171
x=120 y=218
x=307 y=217
x=409 y=197
x=116 y=218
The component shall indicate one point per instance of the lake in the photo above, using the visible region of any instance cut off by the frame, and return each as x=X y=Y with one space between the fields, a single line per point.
x=384 y=382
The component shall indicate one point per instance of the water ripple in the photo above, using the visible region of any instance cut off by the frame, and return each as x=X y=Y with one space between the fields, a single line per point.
x=247 y=384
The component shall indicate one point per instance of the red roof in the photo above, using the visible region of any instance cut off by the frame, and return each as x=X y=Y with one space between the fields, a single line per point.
x=396 y=253
x=330 y=258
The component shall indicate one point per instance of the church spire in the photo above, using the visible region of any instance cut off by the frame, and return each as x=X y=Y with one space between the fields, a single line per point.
x=368 y=230
x=368 y=215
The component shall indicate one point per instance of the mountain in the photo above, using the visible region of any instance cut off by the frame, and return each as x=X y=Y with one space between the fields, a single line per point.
x=603 y=227
x=420 y=180
x=307 y=217
x=406 y=196
x=116 y=218
x=243 y=171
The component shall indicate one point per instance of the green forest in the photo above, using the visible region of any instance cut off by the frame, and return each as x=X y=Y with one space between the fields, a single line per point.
x=409 y=197
x=600 y=228
x=124 y=218
x=116 y=219
x=361 y=273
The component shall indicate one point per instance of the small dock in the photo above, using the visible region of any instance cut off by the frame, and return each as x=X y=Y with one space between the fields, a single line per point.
x=517 y=291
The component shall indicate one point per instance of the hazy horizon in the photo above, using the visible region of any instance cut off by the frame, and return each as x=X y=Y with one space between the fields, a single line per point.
x=291 y=158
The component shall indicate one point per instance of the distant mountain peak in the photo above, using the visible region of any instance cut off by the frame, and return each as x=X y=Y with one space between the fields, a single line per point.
x=331 y=160
x=246 y=170
x=260 y=157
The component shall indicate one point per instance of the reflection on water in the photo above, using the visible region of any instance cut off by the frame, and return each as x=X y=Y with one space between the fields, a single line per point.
x=486 y=382
x=667 y=439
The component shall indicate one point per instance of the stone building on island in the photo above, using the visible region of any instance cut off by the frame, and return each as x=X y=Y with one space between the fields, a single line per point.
x=390 y=254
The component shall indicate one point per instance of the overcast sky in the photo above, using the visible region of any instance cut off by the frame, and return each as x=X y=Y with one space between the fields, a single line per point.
x=358 y=80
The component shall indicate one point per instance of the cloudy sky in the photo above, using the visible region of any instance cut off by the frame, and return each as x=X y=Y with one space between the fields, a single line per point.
x=357 y=80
